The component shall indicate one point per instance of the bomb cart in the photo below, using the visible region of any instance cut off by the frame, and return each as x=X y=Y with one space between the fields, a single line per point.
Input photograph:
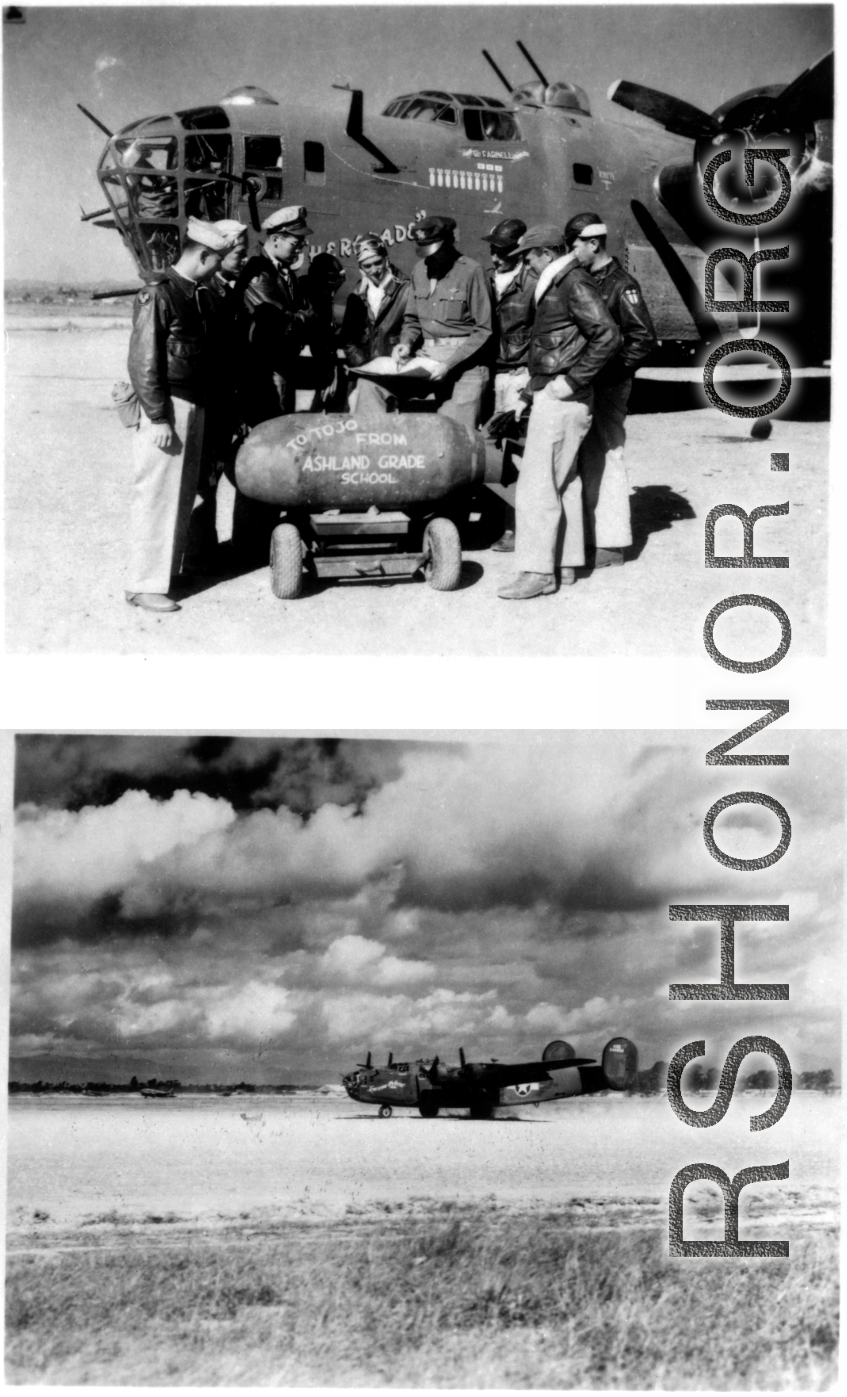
x=383 y=496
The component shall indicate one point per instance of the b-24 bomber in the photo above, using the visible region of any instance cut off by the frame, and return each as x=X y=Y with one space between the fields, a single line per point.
x=481 y=1088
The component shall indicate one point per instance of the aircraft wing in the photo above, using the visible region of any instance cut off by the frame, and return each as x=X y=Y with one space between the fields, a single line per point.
x=511 y=1075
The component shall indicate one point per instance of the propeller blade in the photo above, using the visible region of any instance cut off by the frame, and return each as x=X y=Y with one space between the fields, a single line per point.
x=809 y=98
x=462 y=1058
x=675 y=115
x=390 y=1059
x=692 y=297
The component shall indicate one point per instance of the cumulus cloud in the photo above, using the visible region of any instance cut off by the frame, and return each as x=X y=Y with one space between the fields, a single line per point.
x=492 y=895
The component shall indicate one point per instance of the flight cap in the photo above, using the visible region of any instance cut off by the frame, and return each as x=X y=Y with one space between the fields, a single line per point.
x=542 y=235
x=290 y=220
x=584 y=225
x=434 y=229
x=505 y=235
x=231 y=228
x=206 y=233
x=369 y=245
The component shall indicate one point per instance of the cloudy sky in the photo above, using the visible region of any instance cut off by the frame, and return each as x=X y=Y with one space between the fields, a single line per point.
x=123 y=62
x=221 y=909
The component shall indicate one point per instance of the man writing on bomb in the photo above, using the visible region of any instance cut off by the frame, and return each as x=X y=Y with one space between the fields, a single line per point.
x=449 y=314
x=573 y=336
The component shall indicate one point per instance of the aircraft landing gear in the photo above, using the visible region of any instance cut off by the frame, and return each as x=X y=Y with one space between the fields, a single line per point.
x=428 y=1109
x=385 y=1112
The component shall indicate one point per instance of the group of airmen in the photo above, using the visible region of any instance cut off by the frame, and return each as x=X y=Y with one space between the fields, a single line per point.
x=540 y=352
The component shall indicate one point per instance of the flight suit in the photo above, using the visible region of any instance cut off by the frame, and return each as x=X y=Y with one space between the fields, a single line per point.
x=601 y=457
x=167 y=368
x=452 y=317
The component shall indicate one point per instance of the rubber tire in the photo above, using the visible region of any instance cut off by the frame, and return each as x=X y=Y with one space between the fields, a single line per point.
x=482 y=1111
x=384 y=1113
x=442 y=550
x=286 y=562
x=428 y=1109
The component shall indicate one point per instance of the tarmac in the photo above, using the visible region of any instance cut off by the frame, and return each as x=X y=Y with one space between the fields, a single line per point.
x=67 y=493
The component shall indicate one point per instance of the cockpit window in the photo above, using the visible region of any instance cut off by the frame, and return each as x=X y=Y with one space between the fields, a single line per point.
x=484 y=125
x=423 y=107
x=430 y=109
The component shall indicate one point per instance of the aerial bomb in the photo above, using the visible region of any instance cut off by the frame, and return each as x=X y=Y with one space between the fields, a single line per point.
x=318 y=461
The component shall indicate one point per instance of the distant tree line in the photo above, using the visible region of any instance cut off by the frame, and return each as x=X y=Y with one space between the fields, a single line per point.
x=155 y=1084
x=652 y=1081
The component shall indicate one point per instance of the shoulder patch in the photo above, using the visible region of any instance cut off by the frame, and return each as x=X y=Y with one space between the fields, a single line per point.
x=143 y=297
x=632 y=295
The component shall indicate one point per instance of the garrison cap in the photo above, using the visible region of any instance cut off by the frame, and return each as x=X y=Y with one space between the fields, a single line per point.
x=434 y=229
x=542 y=235
x=290 y=220
x=231 y=228
x=584 y=225
x=209 y=235
x=505 y=235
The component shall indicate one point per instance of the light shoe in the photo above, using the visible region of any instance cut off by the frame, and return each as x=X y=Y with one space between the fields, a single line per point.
x=567 y=577
x=608 y=558
x=527 y=585
x=506 y=542
x=152 y=601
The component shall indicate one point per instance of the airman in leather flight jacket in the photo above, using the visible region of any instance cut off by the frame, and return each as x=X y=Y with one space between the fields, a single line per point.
x=573 y=334
x=366 y=336
x=625 y=303
x=281 y=314
x=514 y=313
x=166 y=346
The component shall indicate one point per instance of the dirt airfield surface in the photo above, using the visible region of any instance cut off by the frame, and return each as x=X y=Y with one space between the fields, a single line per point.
x=203 y=1159
x=67 y=495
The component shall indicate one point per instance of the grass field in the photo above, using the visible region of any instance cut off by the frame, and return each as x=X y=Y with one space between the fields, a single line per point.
x=428 y=1295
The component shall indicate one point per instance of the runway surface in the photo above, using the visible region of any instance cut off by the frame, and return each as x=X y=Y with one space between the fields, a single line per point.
x=67 y=492
x=206 y=1159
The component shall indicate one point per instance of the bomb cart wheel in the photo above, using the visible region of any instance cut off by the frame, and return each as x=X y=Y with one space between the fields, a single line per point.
x=442 y=550
x=428 y=1109
x=286 y=562
x=384 y=1112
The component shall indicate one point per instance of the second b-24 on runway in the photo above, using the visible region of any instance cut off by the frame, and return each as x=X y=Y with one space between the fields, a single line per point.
x=431 y=1085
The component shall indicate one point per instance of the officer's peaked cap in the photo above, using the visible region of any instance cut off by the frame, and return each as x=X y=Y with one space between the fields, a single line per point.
x=542 y=235
x=434 y=229
x=506 y=234
x=290 y=220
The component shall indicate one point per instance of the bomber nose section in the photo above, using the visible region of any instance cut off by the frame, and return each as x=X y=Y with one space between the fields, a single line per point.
x=350 y=1084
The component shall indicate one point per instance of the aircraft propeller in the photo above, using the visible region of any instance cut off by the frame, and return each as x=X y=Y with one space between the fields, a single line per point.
x=761 y=111
x=365 y=1064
